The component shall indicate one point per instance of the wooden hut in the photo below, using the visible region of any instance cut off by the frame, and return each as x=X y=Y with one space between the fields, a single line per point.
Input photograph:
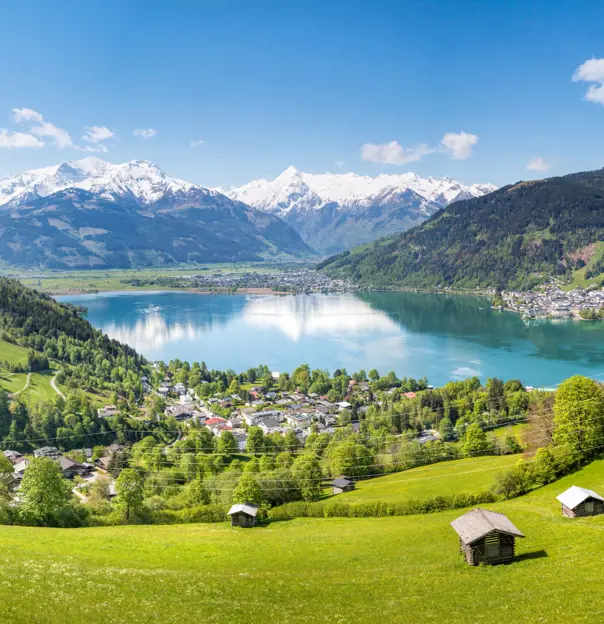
x=342 y=485
x=243 y=515
x=578 y=502
x=486 y=537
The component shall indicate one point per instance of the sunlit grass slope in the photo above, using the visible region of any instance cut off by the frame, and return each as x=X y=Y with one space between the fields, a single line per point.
x=403 y=569
x=464 y=476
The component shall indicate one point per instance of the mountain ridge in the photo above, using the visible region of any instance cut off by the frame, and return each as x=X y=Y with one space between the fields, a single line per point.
x=91 y=213
x=514 y=238
x=333 y=212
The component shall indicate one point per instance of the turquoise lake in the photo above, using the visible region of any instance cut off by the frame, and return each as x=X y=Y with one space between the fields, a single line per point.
x=441 y=337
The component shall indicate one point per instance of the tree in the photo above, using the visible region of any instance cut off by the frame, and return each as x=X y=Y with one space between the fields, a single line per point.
x=117 y=462
x=44 y=492
x=255 y=440
x=291 y=441
x=373 y=374
x=129 y=489
x=6 y=474
x=267 y=463
x=308 y=475
x=350 y=459
x=247 y=490
x=544 y=467
x=476 y=442
x=579 y=417
x=446 y=430
x=512 y=446
x=227 y=443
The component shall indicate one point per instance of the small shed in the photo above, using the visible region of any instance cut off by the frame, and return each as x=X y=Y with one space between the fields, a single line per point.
x=342 y=485
x=243 y=515
x=578 y=502
x=486 y=537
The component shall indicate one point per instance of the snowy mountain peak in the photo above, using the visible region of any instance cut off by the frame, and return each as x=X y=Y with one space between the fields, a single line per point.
x=140 y=180
x=288 y=190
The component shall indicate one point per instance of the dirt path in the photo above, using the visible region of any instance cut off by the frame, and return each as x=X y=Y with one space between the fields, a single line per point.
x=25 y=387
x=55 y=388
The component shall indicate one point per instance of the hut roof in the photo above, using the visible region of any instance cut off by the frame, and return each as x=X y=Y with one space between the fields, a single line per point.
x=340 y=483
x=575 y=495
x=477 y=523
x=246 y=508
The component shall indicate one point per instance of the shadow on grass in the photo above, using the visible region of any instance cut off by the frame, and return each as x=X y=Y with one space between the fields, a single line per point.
x=537 y=554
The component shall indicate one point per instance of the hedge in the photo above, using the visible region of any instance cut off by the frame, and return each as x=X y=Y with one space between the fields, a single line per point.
x=377 y=509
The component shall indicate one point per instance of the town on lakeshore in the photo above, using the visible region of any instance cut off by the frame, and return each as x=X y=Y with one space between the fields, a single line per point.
x=555 y=303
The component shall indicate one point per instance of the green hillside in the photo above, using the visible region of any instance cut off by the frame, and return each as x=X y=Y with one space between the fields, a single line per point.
x=402 y=569
x=516 y=237
x=464 y=476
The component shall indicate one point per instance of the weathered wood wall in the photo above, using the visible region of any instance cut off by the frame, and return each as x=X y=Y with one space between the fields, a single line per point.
x=581 y=510
x=476 y=553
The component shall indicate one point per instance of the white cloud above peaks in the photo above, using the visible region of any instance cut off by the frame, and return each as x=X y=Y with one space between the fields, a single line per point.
x=458 y=145
x=538 y=164
x=592 y=71
x=145 y=133
x=95 y=134
x=39 y=127
x=394 y=153
x=18 y=139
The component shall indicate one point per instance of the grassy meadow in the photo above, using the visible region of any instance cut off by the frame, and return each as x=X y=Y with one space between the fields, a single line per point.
x=82 y=281
x=39 y=388
x=464 y=476
x=401 y=569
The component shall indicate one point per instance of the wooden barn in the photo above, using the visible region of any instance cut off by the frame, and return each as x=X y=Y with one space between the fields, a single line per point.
x=486 y=537
x=243 y=515
x=577 y=502
x=342 y=485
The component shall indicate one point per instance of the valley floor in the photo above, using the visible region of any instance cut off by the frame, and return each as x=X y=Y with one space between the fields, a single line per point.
x=404 y=569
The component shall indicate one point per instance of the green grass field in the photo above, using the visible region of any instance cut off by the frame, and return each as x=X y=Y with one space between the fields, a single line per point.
x=464 y=476
x=404 y=569
x=11 y=353
x=12 y=382
x=57 y=282
x=39 y=388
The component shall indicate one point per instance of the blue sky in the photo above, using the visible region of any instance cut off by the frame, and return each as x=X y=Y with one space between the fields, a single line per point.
x=269 y=84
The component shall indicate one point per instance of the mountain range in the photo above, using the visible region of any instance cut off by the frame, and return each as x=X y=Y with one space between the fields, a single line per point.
x=517 y=237
x=90 y=213
x=334 y=212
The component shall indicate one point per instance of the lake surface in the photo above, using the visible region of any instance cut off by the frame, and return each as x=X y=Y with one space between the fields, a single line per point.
x=441 y=337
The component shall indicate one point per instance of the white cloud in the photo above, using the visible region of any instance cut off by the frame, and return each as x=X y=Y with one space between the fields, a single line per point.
x=40 y=127
x=196 y=143
x=95 y=134
x=592 y=71
x=393 y=153
x=145 y=133
x=458 y=145
x=538 y=164
x=27 y=114
x=95 y=148
x=18 y=139
x=340 y=164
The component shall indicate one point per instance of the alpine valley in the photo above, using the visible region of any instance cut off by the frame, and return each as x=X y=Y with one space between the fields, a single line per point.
x=335 y=212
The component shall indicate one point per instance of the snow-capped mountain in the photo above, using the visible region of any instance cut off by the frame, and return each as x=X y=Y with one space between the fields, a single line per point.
x=90 y=213
x=337 y=211
x=140 y=180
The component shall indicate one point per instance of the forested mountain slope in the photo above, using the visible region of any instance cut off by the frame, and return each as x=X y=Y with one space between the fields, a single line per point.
x=90 y=359
x=515 y=237
x=90 y=213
